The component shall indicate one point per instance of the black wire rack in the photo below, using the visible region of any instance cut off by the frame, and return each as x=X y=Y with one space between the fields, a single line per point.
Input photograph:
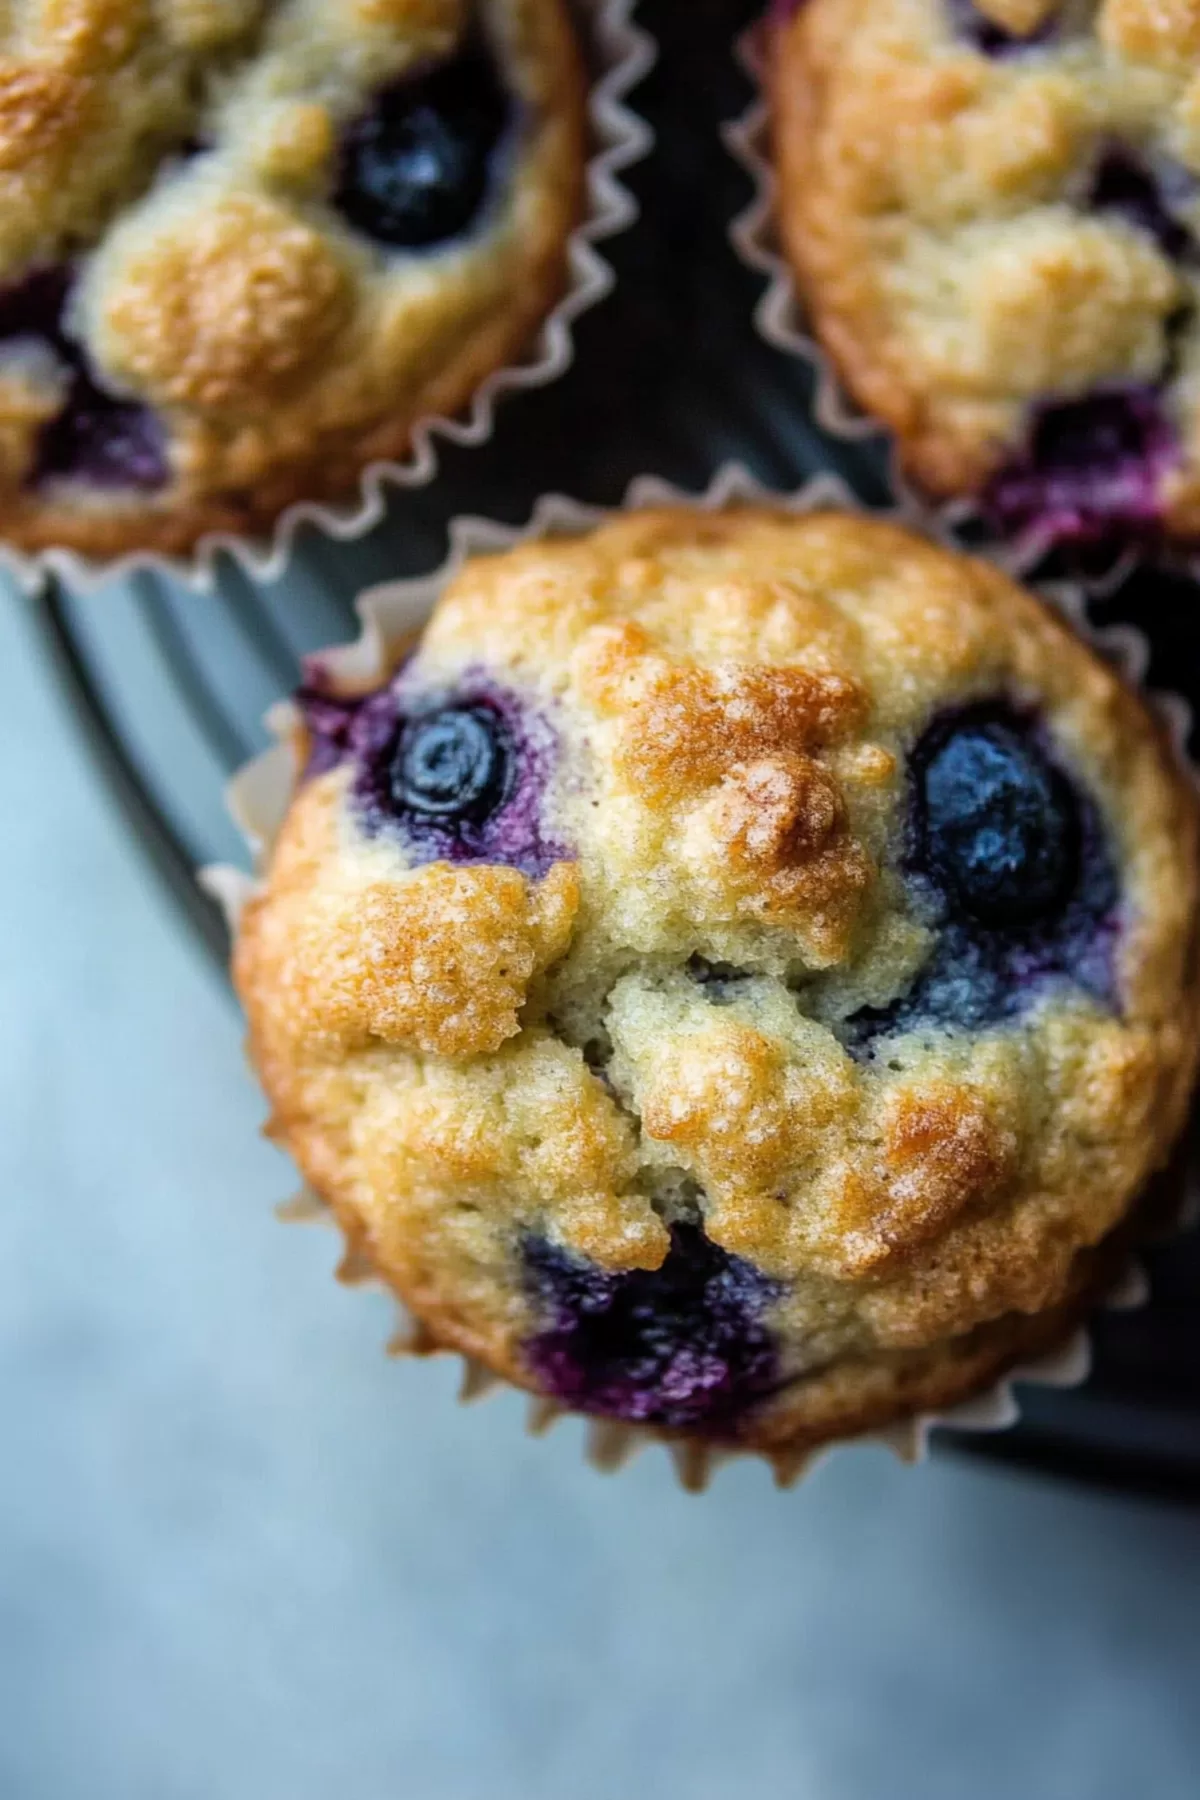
x=169 y=687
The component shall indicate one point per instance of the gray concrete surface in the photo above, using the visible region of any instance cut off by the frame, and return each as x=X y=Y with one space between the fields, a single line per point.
x=243 y=1557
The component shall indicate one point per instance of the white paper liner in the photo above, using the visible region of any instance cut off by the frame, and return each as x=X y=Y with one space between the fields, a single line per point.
x=781 y=319
x=619 y=54
x=258 y=797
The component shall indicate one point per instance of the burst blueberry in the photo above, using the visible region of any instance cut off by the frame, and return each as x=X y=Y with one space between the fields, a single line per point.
x=1011 y=866
x=1090 y=464
x=453 y=764
x=461 y=777
x=998 y=823
x=416 y=169
x=106 y=442
x=95 y=436
x=683 y=1346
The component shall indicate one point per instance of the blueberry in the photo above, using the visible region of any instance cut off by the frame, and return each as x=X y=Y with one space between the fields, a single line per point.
x=998 y=823
x=1009 y=863
x=95 y=436
x=683 y=1345
x=99 y=439
x=452 y=764
x=988 y=37
x=1124 y=184
x=1090 y=464
x=459 y=777
x=416 y=168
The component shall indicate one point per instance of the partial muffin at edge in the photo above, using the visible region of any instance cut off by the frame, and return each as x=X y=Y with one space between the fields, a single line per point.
x=993 y=214
x=244 y=249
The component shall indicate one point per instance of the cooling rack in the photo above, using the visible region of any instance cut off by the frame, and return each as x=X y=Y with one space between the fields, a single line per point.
x=670 y=377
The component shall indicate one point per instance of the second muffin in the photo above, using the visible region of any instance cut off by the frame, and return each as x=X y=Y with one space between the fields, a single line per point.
x=735 y=975
x=993 y=213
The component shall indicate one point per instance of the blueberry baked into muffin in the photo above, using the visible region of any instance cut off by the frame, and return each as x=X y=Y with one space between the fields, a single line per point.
x=735 y=975
x=245 y=247
x=993 y=211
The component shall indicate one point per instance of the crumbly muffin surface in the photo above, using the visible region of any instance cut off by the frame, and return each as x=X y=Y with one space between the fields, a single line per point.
x=736 y=974
x=993 y=210
x=244 y=247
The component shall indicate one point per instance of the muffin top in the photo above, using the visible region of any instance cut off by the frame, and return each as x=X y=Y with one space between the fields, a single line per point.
x=732 y=972
x=244 y=247
x=994 y=213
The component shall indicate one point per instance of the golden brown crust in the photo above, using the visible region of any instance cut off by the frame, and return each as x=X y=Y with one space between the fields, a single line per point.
x=857 y=1397
x=232 y=309
x=932 y=202
x=462 y=1056
x=282 y=350
x=440 y=962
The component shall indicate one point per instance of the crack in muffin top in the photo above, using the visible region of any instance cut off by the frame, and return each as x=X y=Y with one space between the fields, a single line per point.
x=731 y=967
x=993 y=209
x=245 y=247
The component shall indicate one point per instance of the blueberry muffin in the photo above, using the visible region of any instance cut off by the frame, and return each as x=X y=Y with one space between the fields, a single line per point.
x=245 y=247
x=736 y=975
x=993 y=211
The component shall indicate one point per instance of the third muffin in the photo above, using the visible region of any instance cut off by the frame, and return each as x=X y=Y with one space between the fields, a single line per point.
x=994 y=215
x=245 y=248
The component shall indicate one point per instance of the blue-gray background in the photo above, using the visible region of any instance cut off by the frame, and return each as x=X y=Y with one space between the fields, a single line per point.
x=244 y=1557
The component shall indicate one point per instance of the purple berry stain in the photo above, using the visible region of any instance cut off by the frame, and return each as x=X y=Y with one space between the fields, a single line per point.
x=95 y=436
x=1095 y=464
x=1090 y=465
x=416 y=168
x=342 y=727
x=681 y=1346
x=1008 y=860
x=461 y=776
